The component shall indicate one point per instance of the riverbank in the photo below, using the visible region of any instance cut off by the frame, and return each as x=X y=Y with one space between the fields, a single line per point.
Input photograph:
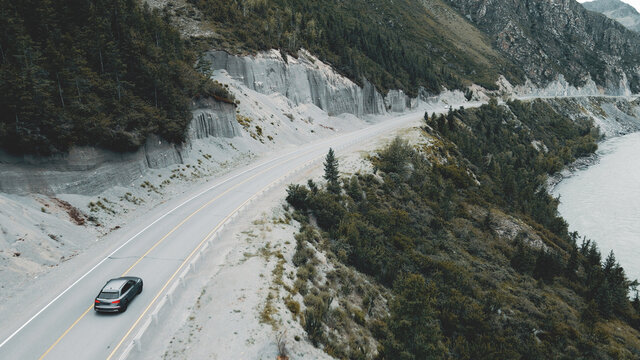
x=602 y=201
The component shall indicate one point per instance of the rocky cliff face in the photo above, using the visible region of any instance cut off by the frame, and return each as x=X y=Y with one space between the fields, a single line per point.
x=88 y=170
x=84 y=170
x=307 y=80
x=617 y=10
x=552 y=37
x=303 y=80
x=213 y=118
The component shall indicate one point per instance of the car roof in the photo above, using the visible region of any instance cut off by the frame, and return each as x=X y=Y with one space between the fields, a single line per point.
x=114 y=285
x=118 y=283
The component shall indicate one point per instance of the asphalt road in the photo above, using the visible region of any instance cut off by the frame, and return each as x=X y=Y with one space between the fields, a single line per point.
x=61 y=323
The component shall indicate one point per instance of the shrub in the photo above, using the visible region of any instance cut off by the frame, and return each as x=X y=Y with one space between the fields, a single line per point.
x=293 y=306
x=302 y=255
x=327 y=209
x=300 y=286
x=313 y=326
x=297 y=196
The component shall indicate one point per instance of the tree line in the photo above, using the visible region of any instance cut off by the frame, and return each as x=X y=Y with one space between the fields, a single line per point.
x=102 y=73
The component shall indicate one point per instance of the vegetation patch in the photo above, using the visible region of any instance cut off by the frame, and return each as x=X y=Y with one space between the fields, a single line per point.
x=463 y=247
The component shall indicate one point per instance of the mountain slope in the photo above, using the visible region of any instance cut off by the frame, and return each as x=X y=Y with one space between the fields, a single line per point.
x=98 y=73
x=405 y=44
x=617 y=10
x=432 y=43
x=465 y=255
x=547 y=38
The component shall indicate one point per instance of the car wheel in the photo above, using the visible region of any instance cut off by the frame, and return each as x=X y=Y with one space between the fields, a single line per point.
x=124 y=307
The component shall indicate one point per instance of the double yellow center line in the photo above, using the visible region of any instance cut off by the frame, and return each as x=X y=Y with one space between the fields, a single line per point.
x=183 y=263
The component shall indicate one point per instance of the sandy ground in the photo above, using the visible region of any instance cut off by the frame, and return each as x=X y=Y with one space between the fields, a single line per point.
x=224 y=321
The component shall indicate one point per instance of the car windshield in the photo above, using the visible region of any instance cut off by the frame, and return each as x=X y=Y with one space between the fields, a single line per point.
x=108 y=295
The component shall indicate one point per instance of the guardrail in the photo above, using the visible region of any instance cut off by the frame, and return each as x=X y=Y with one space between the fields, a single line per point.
x=152 y=320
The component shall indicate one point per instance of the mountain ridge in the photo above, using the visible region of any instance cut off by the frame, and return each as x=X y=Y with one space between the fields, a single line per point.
x=548 y=38
x=617 y=10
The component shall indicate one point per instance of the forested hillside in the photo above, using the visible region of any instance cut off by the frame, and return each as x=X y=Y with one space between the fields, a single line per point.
x=404 y=44
x=102 y=73
x=467 y=241
x=109 y=73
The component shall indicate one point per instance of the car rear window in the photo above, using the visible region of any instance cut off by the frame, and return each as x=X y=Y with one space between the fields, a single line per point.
x=108 y=295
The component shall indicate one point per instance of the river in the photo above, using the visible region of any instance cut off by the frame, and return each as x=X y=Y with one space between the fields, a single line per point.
x=602 y=201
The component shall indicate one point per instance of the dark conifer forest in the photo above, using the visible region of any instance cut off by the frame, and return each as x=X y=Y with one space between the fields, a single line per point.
x=429 y=228
x=101 y=73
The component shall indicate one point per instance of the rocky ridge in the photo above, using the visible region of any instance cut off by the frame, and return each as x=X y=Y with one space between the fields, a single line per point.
x=617 y=10
x=560 y=37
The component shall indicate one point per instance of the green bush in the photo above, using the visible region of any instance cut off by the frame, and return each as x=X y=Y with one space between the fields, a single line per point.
x=302 y=255
x=293 y=306
x=297 y=196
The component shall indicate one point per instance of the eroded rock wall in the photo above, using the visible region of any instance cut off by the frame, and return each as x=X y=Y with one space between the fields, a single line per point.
x=88 y=170
x=307 y=80
x=303 y=80
x=84 y=170
x=213 y=118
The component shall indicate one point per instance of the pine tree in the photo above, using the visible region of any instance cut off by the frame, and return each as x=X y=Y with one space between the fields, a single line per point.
x=331 y=172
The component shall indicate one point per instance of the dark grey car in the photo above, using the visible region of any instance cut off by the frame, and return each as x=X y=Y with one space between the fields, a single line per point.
x=116 y=294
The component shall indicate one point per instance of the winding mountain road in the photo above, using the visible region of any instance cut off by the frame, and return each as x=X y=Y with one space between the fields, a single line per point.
x=61 y=322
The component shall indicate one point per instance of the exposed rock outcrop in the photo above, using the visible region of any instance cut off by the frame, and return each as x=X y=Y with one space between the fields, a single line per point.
x=560 y=37
x=617 y=10
x=303 y=80
x=307 y=80
x=84 y=170
x=213 y=118
x=88 y=170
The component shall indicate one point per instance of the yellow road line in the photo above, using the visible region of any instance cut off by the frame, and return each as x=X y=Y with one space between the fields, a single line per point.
x=168 y=282
x=162 y=239
x=115 y=349
x=65 y=333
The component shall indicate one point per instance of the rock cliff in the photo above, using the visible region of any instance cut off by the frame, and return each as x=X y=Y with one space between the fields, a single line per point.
x=617 y=10
x=307 y=80
x=303 y=80
x=83 y=170
x=560 y=37
x=213 y=118
x=88 y=170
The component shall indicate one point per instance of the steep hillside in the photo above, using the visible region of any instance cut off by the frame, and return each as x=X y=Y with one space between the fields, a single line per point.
x=109 y=74
x=547 y=38
x=465 y=255
x=405 y=44
x=99 y=73
x=617 y=10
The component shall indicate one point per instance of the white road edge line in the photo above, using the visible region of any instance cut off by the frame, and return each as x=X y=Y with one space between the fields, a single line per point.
x=320 y=143
x=133 y=237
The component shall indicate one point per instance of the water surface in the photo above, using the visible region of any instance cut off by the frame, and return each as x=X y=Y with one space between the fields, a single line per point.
x=602 y=201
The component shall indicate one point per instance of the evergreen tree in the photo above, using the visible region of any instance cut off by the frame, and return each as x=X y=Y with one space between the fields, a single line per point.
x=100 y=73
x=354 y=190
x=331 y=172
